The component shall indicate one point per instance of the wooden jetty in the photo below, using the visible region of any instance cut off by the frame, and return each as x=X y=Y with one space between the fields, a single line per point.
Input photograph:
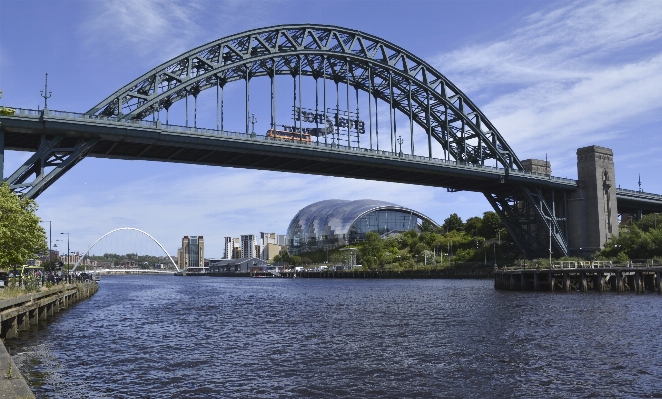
x=582 y=278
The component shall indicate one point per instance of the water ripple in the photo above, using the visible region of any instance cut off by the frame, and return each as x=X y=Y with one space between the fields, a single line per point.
x=168 y=337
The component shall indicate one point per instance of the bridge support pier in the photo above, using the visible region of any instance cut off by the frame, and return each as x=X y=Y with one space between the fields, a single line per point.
x=592 y=210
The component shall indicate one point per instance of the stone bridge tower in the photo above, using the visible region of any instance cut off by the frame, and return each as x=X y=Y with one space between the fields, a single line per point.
x=592 y=212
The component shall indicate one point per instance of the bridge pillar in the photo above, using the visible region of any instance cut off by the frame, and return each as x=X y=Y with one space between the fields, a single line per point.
x=592 y=212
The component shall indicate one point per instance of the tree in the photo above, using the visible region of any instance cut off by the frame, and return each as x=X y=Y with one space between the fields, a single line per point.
x=453 y=223
x=473 y=226
x=427 y=226
x=650 y=222
x=491 y=225
x=21 y=236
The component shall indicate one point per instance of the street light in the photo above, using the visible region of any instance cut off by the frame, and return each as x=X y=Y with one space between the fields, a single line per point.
x=68 y=258
x=495 y=264
x=253 y=122
x=50 y=236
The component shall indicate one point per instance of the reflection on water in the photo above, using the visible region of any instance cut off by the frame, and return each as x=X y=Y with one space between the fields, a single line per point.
x=196 y=337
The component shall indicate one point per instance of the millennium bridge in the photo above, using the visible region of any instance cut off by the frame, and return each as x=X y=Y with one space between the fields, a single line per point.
x=333 y=130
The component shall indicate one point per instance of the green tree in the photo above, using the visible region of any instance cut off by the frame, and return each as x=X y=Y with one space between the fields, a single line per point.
x=473 y=226
x=634 y=243
x=453 y=223
x=650 y=222
x=491 y=225
x=21 y=236
x=371 y=250
x=427 y=226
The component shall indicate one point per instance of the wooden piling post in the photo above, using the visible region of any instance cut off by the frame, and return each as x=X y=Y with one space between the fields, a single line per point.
x=536 y=281
x=12 y=328
x=566 y=281
x=619 y=281
x=584 y=283
x=552 y=281
x=601 y=281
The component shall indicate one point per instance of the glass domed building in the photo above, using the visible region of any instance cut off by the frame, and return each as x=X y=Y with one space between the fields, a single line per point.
x=334 y=223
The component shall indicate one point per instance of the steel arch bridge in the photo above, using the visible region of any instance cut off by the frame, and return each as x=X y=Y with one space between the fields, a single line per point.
x=122 y=229
x=532 y=207
x=363 y=62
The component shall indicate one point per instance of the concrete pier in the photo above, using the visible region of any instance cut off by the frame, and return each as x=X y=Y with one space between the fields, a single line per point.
x=618 y=279
x=18 y=314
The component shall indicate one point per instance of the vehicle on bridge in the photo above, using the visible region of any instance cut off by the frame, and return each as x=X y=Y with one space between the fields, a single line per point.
x=285 y=135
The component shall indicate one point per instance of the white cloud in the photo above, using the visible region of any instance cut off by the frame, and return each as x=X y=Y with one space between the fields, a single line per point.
x=146 y=29
x=568 y=77
x=143 y=27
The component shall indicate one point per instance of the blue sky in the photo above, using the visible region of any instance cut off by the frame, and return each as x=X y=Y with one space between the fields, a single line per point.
x=551 y=76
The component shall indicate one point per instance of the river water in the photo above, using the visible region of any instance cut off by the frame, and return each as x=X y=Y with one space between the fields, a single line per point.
x=201 y=337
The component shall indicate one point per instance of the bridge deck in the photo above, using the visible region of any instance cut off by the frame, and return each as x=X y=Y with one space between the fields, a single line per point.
x=167 y=143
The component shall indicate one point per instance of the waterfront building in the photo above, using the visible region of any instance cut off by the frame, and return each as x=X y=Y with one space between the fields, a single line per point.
x=241 y=265
x=266 y=239
x=269 y=251
x=236 y=253
x=334 y=223
x=192 y=254
x=229 y=244
x=248 y=243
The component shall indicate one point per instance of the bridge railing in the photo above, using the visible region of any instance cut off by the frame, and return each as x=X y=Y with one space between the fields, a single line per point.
x=251 y=136
x=637 y=193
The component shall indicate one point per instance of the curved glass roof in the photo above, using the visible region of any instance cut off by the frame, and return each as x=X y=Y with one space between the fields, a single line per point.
x=323 y=219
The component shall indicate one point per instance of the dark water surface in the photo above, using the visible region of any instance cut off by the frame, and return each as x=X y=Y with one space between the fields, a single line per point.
x=197 y=337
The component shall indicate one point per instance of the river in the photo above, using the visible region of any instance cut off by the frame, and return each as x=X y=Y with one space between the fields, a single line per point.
x=201 y=337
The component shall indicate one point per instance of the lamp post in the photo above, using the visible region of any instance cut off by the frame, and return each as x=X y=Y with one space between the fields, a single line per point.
x=50 y=236
x=253 y=121
x=400 y=141
x=68 y=258
x=550 y=240
x=495 y=264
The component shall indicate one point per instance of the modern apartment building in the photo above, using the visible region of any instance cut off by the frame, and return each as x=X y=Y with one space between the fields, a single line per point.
x=248 y=243
x=192 y=253
x=229 y=245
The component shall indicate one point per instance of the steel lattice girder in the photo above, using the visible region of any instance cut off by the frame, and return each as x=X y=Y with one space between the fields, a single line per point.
x=363 y=61
x=47 y=164
x=529 y=220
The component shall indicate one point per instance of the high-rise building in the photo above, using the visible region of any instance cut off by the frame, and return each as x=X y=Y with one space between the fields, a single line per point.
x=192 y=253
x=265 y=240
x=236 y=248
x=248 y=243
x=236 y=253
x=229 y=244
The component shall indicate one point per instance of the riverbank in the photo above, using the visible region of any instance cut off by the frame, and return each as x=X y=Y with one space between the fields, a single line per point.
x=19 y=313
x=479 y=273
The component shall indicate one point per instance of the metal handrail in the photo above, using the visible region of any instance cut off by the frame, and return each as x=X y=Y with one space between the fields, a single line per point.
x=250 y=136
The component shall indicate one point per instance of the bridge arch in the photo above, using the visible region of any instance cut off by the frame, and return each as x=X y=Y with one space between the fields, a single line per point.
x=364 y=62
x=119 y=229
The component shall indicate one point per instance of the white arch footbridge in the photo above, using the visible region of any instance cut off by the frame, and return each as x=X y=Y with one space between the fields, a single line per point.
x=125 y=228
